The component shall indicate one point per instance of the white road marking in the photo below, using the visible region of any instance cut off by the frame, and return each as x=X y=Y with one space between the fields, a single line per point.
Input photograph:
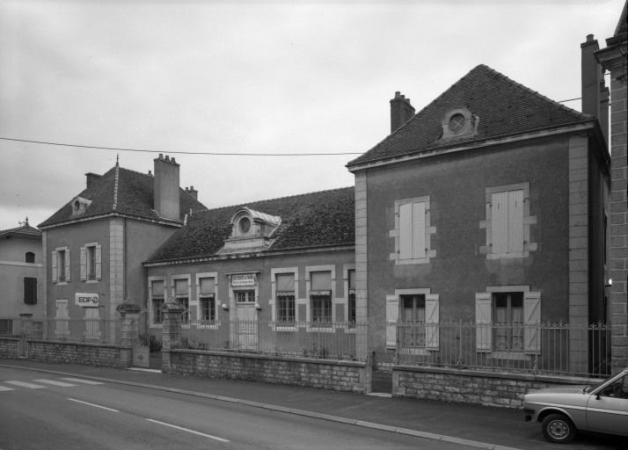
x=80 y=380
x=55 y=383
x=26 y=385
x=5 y=388
x=188 y=430
x=92 y=404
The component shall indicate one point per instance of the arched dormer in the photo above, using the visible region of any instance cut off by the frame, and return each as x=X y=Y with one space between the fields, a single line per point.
x=250 y=231
x=79 y=205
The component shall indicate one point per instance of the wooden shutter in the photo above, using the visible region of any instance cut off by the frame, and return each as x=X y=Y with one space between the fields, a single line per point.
x=418 y=230
x=67 y=264
x=405 y=231
x=432 y=322
x=55 y=273
x=515 y=221
x=499 y=222
x=30 y=290
x=532 y=322
x=483 y=321
x=83 y=263
x=98 y=262
x=392 y=317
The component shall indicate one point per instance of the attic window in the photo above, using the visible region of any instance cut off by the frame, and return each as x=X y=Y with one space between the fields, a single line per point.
x=79 y=205
x=459 y=122
x=245 y=225
x=251 y=231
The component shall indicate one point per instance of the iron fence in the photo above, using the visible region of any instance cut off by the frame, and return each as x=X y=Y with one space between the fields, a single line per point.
x=561 y=349
x=319 y=340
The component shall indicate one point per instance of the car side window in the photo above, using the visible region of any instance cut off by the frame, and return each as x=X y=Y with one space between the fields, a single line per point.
x=619 y=389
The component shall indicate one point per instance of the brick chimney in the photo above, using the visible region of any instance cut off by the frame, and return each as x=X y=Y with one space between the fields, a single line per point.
x=92 y=178
x=166 y=188
x=400 y=111
x=193 y=192
x=595 y=94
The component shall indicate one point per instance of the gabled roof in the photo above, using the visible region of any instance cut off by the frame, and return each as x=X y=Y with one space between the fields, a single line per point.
x=503 y=107
x=124 y=192
x=319 y=219
x=24 y=231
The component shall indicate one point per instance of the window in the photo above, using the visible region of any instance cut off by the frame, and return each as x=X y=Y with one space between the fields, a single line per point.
x=61 y=265
x=6 y=326
x=92 y=323
x=91 y=262
x=285 y=298
x=30 y=290
x=62 y=319
x=508 y=222
x=182 y=296
x=29 y=257
x=412 y=231
x=207 y=299
x=412 y=320
x=247 y=296
x=507 y=320
x=351 y=315
x=157 y=300
x=320 y=297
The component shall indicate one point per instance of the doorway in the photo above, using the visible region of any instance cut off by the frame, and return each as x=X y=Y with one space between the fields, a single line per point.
x=245 y=326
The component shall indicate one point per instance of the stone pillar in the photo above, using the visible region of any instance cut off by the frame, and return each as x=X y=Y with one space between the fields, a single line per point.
x=171 y=332
x=361 y=268
x=129 y=331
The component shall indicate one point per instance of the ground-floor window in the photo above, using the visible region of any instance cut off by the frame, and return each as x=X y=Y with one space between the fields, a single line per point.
x=413 y=321
x=157 y=300
x=508 y=321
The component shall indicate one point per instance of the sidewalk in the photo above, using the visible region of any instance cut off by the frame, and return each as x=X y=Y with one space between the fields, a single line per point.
x=471 y=426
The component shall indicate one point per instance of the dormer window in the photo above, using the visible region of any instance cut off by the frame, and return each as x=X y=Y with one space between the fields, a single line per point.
x=79 y=205
x=251 y=231
x=458 y=123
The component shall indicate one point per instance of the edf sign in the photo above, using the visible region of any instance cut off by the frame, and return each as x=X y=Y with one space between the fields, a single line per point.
x=87 y=300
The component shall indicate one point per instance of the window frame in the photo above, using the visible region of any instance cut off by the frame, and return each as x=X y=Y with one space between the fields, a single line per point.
x=274 y=301
x=61 y=265
x=30 y=289
x=425 y=235
x=331 y=293
x=184 y=299
x=162 y=300
x=88 y=265
x=432 y=319
x=197 y=302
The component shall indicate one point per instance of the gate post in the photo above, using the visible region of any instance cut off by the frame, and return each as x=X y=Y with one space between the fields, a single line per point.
x=171 y=332
x=129 y=331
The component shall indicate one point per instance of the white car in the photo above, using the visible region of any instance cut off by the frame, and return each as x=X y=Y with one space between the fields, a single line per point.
x=563 y=411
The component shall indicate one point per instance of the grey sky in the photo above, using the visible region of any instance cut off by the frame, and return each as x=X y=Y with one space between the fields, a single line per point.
x=250 y=77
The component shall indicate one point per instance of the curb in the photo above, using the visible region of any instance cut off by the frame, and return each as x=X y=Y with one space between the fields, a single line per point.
x=283 y=409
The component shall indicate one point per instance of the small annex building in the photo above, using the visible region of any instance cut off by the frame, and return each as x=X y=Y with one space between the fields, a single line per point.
x=261 y=275
x=95 y=244
x=487 y=209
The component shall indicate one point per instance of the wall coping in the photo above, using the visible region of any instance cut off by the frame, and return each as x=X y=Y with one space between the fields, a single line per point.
x=80 y=344
x=529 y=377
x=329 y=362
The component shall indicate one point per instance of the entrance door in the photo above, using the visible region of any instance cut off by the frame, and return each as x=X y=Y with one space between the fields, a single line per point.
x=246 y=319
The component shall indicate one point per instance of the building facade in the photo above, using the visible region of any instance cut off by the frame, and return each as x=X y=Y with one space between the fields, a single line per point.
x=486 y=209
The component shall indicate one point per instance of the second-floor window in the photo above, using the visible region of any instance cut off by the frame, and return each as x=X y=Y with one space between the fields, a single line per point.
x=61 y=265
x=91 y=266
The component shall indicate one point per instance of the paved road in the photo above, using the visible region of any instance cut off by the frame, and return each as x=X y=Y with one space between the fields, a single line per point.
x=38 y=411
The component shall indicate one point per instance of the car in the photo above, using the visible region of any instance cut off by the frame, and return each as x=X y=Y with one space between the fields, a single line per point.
x=563 y=411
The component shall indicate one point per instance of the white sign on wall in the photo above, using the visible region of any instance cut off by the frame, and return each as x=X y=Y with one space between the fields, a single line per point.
x=87 y=300
x=243 y=280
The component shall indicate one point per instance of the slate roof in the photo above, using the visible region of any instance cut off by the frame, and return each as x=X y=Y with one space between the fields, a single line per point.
x=503 y=106
x=23 y=231
x=124 y=192
x=318 y=219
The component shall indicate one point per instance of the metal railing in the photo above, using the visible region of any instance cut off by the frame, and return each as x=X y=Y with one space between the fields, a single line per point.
x=319 y=340
x=561 y=349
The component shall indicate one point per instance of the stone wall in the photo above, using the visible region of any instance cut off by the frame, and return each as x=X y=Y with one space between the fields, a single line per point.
x=336 y=375
x=9 y=347
x=473 y=387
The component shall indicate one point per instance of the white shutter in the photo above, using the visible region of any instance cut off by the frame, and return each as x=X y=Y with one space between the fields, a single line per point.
x=532 y=321
x=418 y=230
x=405 y=231
x=67 y=264
x=55 y=273
x=431 y=322
x=83 y=264
x=483 y=321
x=499 y=222
x=392 y=317
x=515 y=221
x=98 y=260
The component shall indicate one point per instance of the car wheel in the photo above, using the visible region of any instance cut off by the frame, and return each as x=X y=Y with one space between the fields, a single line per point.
x=557 y=428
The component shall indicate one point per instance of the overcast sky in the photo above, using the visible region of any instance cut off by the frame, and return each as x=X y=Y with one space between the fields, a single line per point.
x=259 y=77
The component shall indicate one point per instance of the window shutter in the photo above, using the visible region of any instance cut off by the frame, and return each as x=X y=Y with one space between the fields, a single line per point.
x=98 y=262
x=532 y=320
x=515 y=221
x=499 y=223
x=418 y=230
x=405 y=231
x=483 y=322
x=67 y=264
x=392 y=317
x=55 y=274
x=83 y=263
x=30 y=290
x=432 y=322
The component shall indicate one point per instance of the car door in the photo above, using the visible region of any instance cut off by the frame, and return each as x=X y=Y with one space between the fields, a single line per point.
x=607 y=412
